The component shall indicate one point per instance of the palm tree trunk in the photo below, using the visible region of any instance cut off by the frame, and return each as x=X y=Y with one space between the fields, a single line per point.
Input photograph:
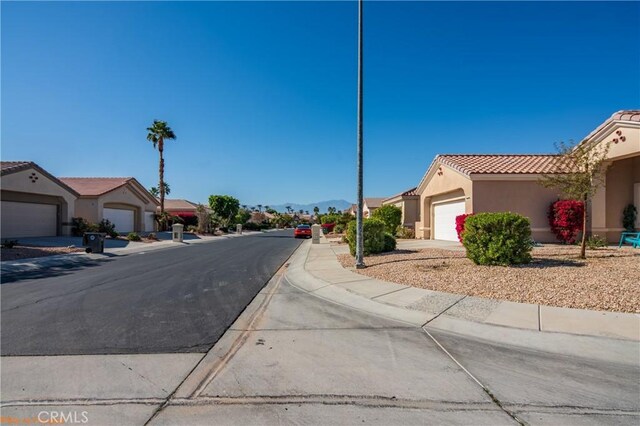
x=161 y=184
x=583 y=245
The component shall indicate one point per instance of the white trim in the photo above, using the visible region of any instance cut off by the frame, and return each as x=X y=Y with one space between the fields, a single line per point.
x=450 y=200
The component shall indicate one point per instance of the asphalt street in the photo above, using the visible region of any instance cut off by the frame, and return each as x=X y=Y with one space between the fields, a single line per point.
x=173 y=300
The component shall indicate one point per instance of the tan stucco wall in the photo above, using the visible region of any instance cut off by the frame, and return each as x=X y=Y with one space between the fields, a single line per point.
x=19 y=187
x=410 y=210
x=449 y=185
x=527 y=198
x=91 y=208
x=620 y=149
x=619 y=192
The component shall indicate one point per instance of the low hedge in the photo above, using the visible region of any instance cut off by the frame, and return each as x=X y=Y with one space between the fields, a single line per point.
x=373 y=231
x=497 y=238
x=389 y=242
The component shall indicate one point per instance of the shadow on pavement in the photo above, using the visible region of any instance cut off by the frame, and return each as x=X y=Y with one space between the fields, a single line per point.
x=63 y=268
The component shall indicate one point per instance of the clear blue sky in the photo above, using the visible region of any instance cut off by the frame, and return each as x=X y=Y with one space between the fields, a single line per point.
x=262 y=96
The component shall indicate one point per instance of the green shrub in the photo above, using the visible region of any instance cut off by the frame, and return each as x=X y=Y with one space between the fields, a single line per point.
x=390 y=215
x=133 y=236
x=498 y=239
x=80 y=225
x=629 y=215
x=191 y=228
x=389 y=242
x=595 y=242
x=373 y=230
x=339 y=228
x=108 y=228
x=405 y=232
x=152 y=236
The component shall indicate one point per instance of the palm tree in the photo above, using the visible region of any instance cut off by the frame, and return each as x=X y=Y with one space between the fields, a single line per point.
x=244 y=206
x=316 y=210
x=158 y=132
x=156 y=193
x=267 y=208
x=289 y=209
x=259 y=208
x=301 y=211
x=306 y=212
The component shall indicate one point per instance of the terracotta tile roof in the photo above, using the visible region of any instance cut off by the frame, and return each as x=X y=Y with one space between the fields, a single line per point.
x=177 y=204
x=408 y=193
x=373 y=203
x=500 y=164
x=93 y=186
x=627 y=115
x=8 y=167
x=14 y=166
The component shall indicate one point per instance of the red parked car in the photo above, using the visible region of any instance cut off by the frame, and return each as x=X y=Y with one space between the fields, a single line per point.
x=302 y=231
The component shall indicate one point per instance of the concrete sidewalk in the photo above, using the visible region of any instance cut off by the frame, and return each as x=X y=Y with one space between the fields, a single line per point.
x=323 y=275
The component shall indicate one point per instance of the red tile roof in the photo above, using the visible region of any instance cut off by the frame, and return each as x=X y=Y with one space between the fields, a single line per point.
x=500 y=164
x=14 y=166
x=94 y=186
x=177 y=204
x=627 y=115
x=408 y=193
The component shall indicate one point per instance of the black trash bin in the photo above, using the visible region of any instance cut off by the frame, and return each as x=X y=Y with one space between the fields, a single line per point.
x=93 y=241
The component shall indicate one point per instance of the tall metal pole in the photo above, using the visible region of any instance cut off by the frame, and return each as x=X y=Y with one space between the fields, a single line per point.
x=359 y=234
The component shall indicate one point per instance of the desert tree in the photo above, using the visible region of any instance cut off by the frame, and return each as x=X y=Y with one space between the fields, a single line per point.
x=579 y=171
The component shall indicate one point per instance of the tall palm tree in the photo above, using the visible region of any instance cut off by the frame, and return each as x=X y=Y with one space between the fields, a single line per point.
x=158 y=132
x=259 y=208
x=316 y=210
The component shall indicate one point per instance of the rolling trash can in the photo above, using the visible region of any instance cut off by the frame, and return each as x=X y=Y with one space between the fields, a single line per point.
x=93 y=241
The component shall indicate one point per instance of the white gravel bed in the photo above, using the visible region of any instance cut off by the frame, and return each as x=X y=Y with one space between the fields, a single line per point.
x=608 y=280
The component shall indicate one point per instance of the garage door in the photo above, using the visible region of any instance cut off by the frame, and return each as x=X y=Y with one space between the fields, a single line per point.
x=121 y=218
x=28 y=219
x=445 y=220
x=149 y=221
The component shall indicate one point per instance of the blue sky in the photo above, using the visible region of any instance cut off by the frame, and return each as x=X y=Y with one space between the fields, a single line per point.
x=262 y=96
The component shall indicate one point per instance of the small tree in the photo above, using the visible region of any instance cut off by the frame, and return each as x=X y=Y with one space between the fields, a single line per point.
x=225 y=207
x=629 y=215
x=390 y=215
x=204 y=219
x=580 y=171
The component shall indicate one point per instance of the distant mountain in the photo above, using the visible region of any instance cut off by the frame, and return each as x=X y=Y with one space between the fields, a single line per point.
x=322 y=205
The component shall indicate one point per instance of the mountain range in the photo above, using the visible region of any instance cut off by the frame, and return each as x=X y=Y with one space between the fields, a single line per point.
x=322 y=205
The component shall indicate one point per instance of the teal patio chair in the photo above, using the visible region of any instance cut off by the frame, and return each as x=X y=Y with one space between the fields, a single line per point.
x=632 y=238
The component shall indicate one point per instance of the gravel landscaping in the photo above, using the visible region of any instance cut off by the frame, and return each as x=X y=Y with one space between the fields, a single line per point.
x=27 y=252
x=608 y=280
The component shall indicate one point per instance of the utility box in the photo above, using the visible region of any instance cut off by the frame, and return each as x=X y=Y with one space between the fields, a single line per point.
x=315 y=234
x=177 y=230
x=93 y=241
x=239 y=229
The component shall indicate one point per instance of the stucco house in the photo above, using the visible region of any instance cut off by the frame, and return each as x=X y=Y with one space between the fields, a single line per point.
x=409 y=202
x=457 y=184
x=123 y=201
x=370 y=205
x=34 y=203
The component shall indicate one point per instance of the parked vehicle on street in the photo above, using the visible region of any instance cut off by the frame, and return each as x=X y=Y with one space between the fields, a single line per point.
x=302 y=231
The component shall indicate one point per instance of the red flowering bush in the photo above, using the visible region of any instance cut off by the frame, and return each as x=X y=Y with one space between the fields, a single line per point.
x=565 y=219
x=328 y=226
x=460 y=224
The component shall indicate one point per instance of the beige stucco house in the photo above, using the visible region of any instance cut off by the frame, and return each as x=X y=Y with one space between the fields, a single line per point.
x=34 y=203
x=369 y=205
x=457 y=184
x=123 y=201
x=409 y=202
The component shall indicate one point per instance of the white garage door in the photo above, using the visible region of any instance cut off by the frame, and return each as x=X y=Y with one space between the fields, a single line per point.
x=149 y=221
x=28 y=220
x=445 y=220
x=121 y=218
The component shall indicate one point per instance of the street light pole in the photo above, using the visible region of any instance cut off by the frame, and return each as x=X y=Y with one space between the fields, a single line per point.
x=359 y=227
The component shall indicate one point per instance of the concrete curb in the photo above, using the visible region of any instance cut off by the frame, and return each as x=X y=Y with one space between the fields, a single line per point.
x=315 y=269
